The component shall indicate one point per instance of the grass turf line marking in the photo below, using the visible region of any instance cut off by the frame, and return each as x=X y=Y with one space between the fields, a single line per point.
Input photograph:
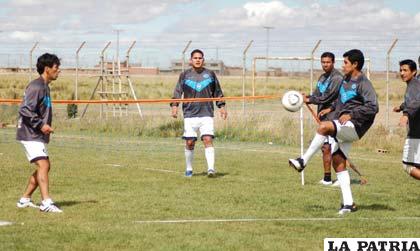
x=5 y=223
x=161 y=170
x=268 y=220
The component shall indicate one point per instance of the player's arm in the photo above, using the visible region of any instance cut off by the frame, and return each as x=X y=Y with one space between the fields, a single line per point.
x=177 y=94
x=28 y=110
x=218 y=93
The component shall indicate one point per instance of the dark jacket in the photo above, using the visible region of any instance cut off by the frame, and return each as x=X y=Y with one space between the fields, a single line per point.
x=358 y=98
x=326 y=91
x=192 y=84
x=411 y=108
x=34 y=112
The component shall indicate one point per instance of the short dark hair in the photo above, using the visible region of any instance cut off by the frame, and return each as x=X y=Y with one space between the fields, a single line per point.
x=411 y=64
x=355 y=55
x=45 y=60
x=419 y=61
x=328 y=54
x=197 y=51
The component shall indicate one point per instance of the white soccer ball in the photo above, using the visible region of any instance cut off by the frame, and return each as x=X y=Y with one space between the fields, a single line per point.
x=292 y=101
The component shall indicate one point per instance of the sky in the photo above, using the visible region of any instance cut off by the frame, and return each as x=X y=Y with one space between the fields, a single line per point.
x=222 y=28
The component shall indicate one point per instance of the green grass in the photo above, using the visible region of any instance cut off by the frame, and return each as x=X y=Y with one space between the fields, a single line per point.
x=101 y=202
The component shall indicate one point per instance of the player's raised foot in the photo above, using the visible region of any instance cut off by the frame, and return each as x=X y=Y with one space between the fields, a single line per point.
x=297 y=164
x=347 y=209
x=188 y=174
x=211 y=173
x=325 y=183
x=49 y=207
x=23 y=203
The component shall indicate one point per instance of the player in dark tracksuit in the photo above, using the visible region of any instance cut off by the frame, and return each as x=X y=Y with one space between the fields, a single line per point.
x=198 y=82
x=34 y=129
x=325 y=94
x=411 y=117
x=354 y=113
x=418 y=74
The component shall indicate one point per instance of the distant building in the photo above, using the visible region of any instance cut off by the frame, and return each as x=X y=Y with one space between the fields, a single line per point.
x=215 y=65
x=132 y=68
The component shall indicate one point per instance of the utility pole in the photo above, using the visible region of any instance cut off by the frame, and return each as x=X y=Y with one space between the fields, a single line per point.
x=267 y=28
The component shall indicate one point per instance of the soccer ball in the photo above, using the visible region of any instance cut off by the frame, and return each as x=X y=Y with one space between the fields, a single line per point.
x=292 y=101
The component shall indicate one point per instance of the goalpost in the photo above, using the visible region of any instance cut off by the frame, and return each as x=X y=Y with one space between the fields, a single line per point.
x=311 y=77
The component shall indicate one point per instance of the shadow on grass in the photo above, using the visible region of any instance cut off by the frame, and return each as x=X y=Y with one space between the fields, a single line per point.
x=69 y=203
x=218 y=175
x=376 y=207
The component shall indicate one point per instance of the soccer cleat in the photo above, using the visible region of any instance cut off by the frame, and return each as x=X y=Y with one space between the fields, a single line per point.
x=188 y=174
x=51 y=208
x=211 y=173
x=347 y=209
x=325 y=183
x=297 y=164
x=23 y=204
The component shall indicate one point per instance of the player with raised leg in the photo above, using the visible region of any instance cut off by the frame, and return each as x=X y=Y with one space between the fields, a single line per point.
x=355 y=111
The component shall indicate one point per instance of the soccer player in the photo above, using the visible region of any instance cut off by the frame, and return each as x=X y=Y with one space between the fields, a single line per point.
x=355 y=110
x=34 y=129
x=325 y=94
x=411 y=116
x=198 y=82
x=418 y=75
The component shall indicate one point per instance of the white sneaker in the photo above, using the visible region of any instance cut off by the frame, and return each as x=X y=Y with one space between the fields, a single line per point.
x=49 y=208
x=26 y=203
x=325 y=183
x=336 y=183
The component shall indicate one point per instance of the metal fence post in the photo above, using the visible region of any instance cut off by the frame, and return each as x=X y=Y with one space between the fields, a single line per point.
x=244 y=73
x=387 y=80
x=76 y=84
x=30 y=60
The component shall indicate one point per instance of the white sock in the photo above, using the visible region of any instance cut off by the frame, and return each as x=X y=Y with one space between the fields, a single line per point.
x=47 y=202
x=344 y=179
x=209 y=151
x=189 y=156
x=315 y=145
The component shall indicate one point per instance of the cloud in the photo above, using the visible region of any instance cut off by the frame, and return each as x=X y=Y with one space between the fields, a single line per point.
x=24 y=36
x=355 y=16
x=47 y=15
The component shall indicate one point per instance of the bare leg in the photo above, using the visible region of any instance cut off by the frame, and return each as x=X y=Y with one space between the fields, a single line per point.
x=42 y=177
x=415 y=173
x=32 y=185
x=327 y=159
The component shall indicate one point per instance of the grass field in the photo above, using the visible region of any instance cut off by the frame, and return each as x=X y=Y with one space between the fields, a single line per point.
x=108 y=186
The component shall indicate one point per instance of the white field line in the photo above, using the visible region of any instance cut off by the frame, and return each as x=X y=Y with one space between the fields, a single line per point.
x=5 y=223
x=161 y=170
x=180 y=221
x=114 y=165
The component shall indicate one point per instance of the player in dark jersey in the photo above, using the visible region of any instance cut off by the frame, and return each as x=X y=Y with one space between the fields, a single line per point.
x=355 y=110
x=411 y=117
x=34 y=129
x=198 y=82
x=325 y=94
